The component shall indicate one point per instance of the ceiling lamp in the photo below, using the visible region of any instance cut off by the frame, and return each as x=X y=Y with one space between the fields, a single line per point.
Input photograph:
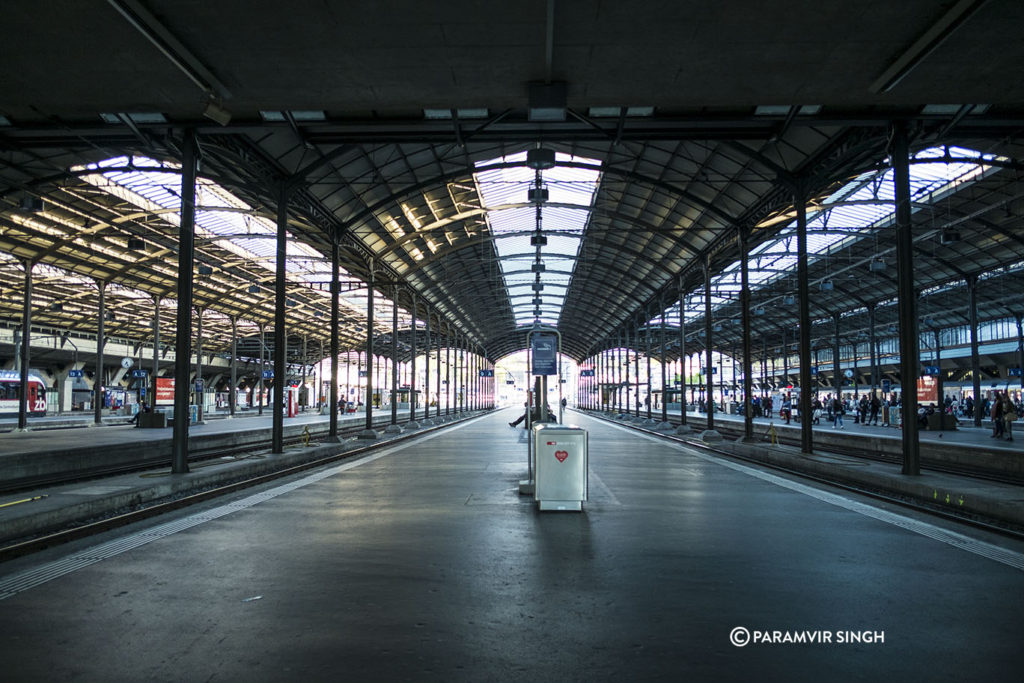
x=949 y=236
x=216 y=112
x=547 y=102
x=789 y=299
x=826 y=286
x=540 y=159
x=877 y=265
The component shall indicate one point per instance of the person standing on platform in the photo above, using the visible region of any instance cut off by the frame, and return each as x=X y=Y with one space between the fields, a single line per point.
x=1009 y=416
x=996 y=412
x=837 y=413
x=876 y=407
x=786 y=408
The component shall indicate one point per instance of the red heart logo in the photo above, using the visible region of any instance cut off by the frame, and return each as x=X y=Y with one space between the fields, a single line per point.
x=561 y=455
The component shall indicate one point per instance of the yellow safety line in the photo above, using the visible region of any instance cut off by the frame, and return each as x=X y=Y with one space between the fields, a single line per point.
x=19 y=502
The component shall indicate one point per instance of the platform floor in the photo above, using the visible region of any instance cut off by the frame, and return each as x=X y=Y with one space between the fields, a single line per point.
x=87 y=436
x=966 y=435
x=422 y=562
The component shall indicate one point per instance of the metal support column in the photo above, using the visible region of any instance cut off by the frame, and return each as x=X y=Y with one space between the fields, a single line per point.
x=335 y=330
x=837 y=371
x=748 y=412
x=156 y=349
x=183 y=334
x=280 y=333
x=707 y=350
x=647 y=352
x=26 y=351
x=233 y=396
x=664 y=371
x=806 y=435
x=910 y=366
x=972 y=305
x=412 y=368
x=1020 y=351
x=101 y=341
x=199 y=366
x=263 y=366
x=682 y=353
x=426 y=367
x=437 y=406
x=871 y=340
x=940 y=404
x=394 y=356
x=368 y=432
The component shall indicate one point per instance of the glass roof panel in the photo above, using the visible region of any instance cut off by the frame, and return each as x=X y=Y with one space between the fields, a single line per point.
x=850 y=214
x=221 y=219
x=563 y=219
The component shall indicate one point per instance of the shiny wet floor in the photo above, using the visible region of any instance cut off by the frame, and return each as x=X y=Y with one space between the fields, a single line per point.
x=424 y=563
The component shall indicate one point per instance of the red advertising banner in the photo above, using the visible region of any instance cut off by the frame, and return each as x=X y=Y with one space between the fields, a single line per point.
x=927 y=390
x=164 y=391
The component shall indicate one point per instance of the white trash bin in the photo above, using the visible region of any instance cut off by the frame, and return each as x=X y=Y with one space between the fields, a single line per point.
x=560 y=472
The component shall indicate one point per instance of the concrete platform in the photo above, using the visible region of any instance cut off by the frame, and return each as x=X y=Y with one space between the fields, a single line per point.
x=27 y=456
x=969 y=446
x=422 y=562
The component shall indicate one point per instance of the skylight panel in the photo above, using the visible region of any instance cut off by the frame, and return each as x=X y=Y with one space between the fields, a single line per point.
x=513 y=219
x=850 y=214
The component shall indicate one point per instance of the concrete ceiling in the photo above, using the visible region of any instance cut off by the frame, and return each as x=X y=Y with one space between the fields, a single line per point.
x=676 y=184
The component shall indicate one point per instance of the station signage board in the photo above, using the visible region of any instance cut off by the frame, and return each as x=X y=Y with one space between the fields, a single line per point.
x=362 y=373
x=931 y=370
x=268 y=374
x=164 y=391
x=586 y=373
x=76 y=373
x=1014 y=372
x=199 y=386
x=139 y=374
x=487 y=373
x=886 y=386
x=544 y=360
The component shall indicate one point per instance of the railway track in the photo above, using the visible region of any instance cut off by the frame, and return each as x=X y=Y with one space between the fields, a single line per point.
x=27 y=546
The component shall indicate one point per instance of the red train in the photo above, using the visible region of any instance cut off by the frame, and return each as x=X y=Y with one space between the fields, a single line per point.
x=10 y=383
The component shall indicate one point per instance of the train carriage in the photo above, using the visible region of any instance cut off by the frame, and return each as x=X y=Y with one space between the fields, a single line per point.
x=10 y=386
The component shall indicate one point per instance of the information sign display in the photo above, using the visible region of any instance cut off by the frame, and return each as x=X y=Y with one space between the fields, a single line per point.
x=544 y=359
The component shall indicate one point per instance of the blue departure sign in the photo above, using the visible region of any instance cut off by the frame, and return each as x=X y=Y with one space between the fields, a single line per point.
x=545 y=354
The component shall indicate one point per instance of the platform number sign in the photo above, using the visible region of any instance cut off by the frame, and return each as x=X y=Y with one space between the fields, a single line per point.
x=487 y=373
x=886 y=385
x=268 y=374
x=76 y=373
x=1014 y=372
x=931 y=370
